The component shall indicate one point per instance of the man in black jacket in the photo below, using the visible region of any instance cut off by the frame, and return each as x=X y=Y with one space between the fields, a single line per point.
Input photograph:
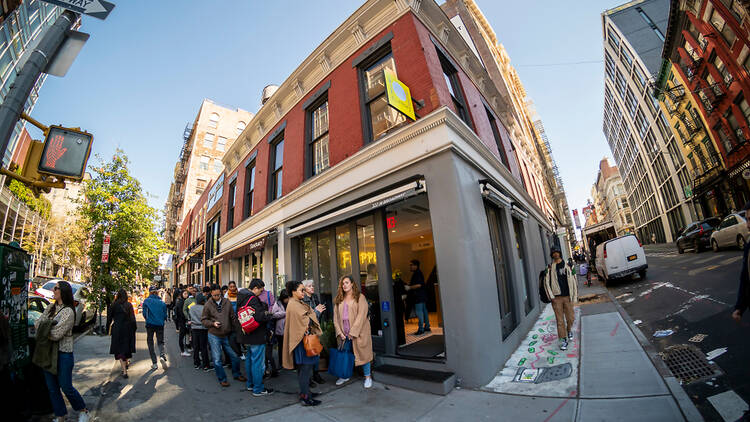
x=255 y=357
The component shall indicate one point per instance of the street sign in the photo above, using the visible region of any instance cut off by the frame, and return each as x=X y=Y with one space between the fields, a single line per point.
x=97 y=8
x=105 y=249
x=66 y=152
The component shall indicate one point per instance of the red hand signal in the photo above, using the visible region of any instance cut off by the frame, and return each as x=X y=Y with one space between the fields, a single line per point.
x=55 y=151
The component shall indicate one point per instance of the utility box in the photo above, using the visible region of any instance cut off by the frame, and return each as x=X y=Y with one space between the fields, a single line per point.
x=14 y=295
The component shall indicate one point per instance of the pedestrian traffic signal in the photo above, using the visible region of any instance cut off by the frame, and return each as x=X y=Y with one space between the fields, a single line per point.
x=66 y=152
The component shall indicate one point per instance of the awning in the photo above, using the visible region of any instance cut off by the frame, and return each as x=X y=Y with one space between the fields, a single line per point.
x=493 y=194
x=245 y=248
x=394 y=195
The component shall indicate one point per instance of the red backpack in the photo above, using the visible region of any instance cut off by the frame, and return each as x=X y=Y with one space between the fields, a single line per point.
x=246 y=316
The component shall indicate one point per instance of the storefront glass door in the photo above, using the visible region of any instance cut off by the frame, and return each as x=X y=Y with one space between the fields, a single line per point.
x=416 y=289
x=368 y=270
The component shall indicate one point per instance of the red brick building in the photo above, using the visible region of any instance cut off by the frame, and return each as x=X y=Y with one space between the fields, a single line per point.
x=709 y=43
x=329 y=180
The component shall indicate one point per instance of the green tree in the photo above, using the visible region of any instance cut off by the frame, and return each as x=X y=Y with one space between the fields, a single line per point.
x=114 y=203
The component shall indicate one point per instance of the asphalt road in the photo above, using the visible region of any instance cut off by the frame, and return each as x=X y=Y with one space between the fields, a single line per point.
x=693 y=294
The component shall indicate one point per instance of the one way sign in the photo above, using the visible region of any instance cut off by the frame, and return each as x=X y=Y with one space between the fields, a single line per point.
x=96 y=8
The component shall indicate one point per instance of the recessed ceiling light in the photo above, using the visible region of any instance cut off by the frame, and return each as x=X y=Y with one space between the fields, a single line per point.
x=421 y=237
x=416 y=225
x=372 y=237
x=393 y=231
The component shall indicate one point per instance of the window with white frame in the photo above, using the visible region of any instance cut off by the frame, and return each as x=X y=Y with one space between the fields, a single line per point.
x=221 y=143
x=208 y=140
x=213 y=120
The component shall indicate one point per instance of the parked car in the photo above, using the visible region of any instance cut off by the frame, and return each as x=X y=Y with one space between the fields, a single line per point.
x=732 y=231
x=37 y=305
x=620 y=257
x=697 y=235
x=84 y=307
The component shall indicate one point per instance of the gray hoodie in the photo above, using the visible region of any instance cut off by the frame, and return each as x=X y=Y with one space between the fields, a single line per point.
x=195 y=311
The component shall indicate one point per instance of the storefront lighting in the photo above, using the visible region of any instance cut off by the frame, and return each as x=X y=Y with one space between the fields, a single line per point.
x=416 y=225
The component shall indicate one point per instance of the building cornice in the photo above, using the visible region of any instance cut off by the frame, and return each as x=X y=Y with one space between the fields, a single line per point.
x=364 y=24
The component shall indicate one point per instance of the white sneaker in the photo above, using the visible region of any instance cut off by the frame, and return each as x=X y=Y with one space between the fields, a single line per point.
x=186 y=353
x=570 y=336
x=83 y=417
x=154 y=366
x=242 y=357
x=368 y=382
x=341 y=381
x=564 y=344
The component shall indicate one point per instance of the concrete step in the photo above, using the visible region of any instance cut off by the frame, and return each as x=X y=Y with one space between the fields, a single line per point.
x=422 y=380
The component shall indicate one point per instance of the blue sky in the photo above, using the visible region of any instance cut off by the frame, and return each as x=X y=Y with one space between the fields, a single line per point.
x=145 y=70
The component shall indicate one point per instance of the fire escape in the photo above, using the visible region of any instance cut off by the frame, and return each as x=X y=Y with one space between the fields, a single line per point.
x=178 y=194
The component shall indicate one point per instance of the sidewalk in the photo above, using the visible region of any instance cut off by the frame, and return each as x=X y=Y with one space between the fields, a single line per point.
x=606 y=375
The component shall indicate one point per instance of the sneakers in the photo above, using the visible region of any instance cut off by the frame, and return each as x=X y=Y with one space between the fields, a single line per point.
x=224 y=384
x=419 y=332
x=185 y=353
x=154 y=366
x=163 y=358
x=196 y=367
x=208 y=368
x=242 y=357
x=266 y=392
x=83 y=417
x=368 y=382
x=427 y=330
x=341 y=381
x=307 y=401
x=317 y=378
x=564 y=344
x=570 y=335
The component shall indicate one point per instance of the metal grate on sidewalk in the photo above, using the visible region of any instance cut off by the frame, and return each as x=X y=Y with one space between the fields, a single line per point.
x=688 y=363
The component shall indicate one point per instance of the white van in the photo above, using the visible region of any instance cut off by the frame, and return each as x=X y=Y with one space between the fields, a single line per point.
x=620 y=257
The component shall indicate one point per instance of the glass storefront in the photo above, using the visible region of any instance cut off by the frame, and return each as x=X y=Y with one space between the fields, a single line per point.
x=329 y=253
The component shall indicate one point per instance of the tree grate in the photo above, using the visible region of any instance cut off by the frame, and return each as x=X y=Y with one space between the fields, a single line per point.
x=688 y=363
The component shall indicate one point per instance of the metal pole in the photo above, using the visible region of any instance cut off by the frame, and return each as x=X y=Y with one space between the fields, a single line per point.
x=13 y=103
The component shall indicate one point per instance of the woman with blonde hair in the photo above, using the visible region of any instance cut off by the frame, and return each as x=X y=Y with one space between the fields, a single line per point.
x=352 y=326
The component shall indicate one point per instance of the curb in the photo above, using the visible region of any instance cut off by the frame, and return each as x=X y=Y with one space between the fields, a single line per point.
x=688 y=409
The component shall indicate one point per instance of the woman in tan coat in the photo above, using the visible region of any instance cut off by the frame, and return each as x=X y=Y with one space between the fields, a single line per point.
x=300 y=318
x=352 y=325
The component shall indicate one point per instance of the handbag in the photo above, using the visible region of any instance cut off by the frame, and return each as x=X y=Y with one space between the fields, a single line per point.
x=312 y=344
x=341 y=360
x=246 y=316
x=542 y=291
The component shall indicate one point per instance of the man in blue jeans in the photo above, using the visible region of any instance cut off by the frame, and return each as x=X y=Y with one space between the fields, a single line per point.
x=220 y=319
x=155 y=313
x=255 y=357
x=416 y=285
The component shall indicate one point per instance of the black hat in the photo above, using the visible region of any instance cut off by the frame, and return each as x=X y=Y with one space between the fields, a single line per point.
x=552 y=252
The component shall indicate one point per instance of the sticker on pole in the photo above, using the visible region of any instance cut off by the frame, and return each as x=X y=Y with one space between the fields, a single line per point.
x=66 y=152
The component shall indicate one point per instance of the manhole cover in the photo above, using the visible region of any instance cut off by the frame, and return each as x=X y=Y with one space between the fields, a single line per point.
x=688 y=363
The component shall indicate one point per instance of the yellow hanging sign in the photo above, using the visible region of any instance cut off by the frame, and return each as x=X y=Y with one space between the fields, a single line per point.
x=398 y=95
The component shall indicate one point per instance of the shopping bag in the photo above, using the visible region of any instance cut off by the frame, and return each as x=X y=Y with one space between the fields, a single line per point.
x=341 y=360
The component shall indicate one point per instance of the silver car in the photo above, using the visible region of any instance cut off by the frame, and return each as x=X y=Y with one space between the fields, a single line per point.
x=84 y=307
x=731 y=232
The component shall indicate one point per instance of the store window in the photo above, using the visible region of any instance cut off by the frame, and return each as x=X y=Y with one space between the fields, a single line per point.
x=520 y=239
x=382 y=117
x=252 y=266
x=503 y=275
x=277 y=162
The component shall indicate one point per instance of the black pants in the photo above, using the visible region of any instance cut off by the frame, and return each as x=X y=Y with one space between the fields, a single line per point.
x=304 y=373
x=270 y=362
x=183 y=332
x=200 y=348
x=280 y=349
x=150 y=331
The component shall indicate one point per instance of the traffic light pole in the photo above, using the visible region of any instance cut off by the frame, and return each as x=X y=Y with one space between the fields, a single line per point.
x=13 y=104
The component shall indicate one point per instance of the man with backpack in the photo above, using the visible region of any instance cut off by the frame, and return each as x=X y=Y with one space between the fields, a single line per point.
x=255 y=338
x=561 y=288
x=220 y=319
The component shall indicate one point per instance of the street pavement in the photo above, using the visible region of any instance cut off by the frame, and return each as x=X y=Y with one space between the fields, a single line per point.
x=613 y=376
x=693 y=295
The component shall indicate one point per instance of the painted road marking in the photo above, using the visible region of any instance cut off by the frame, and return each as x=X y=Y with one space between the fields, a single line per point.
x=730 y=406
x=731 y=260
x=701 y=261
